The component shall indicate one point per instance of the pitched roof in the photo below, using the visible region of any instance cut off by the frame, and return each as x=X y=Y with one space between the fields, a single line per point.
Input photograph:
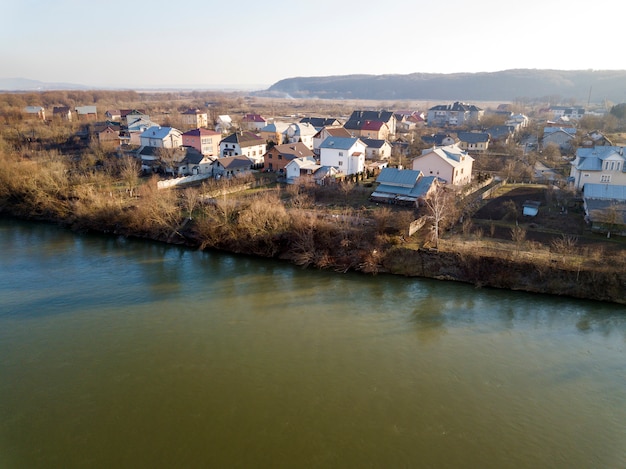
x=320 y=121
x=451 y=154
x=604 y=191
x=159 y=132
x=359 y=118
x=373 y=142
x=244 y=139
x=234 y=162
x=253 y=118
x=293 y=150
x=591 y=159
x=339 y=143
x=457 y=106
x=193 y=112
x=201 y=133
x=473 y=137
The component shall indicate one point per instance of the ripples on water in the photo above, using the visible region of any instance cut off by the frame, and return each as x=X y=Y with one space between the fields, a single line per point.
x=117 y=353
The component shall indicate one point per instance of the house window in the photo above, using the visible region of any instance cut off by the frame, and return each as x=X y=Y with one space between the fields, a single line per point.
x=341 y=163
x=280 y=157
x=605 y=178
x=269 y=155
x=340 y=153
x=612 y=165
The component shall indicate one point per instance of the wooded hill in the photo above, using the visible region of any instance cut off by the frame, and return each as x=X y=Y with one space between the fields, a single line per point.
x=527 y=85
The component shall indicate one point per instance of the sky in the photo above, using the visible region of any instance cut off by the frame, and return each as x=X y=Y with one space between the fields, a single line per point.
x=246 y=44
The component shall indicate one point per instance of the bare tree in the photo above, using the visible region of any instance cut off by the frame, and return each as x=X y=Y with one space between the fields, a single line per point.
x=129 y=172
x=438 y=204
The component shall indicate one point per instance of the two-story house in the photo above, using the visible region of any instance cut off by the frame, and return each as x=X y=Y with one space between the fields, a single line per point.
x=376 y=149
x=254 y=122
x=365 y=123
x=345 y=154
x=194 y=119
x=247 y=144
x=300 y=132
x=453 y=115
x=161 y=137
x=449 y=163
x=473 y=141
x=205 y=141
x=274 y=132
x=277 y=157
x=598 y=165
x=326 y=132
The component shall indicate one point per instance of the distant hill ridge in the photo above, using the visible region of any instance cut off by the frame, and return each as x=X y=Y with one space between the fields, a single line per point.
x=581 y=86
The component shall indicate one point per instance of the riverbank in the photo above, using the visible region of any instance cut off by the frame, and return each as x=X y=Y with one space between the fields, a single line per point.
x=325 y=247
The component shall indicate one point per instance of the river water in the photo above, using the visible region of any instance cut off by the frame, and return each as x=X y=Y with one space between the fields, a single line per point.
x=121 y=353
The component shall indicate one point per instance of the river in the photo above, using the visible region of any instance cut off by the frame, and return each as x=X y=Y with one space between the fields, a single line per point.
x=130 y=354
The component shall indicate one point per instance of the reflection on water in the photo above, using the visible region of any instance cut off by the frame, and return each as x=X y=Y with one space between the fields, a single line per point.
x=119 y=353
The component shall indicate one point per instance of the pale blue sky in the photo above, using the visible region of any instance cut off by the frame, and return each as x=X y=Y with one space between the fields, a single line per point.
x=165 y=43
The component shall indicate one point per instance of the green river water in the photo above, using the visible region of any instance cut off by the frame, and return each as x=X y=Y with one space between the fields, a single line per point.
x=117 y=353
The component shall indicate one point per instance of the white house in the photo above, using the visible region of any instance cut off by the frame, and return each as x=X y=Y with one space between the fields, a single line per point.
x=345 y=154
x=599 y=165
x=299 y=167
x=450 y=163
x=244 y=143
x=300 y=132
x=376 y=149
x=161 y=137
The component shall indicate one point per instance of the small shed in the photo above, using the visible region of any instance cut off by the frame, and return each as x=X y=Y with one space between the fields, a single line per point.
x=530 y=208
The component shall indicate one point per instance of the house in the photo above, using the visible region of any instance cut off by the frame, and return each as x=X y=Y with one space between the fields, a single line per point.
x=86 y=112
x=107 y=133
x=277 y=157
x=301 y=132
x=231 y=166
x=194 y=119
x=370 y=119
x=325 y=132
x=407 y=121
x=206 y=141
x=518 y=121
x=473 y=141
x=345 y=154
x=449 y=163
x=62 y=113
x=223 y=123
x=453 y=115
x=403 y=186
x=128 y=116
x=596 y=138
x=254 y=122
x=131 y=135
x=161 y=137
x=605 y=207
x=36 y=111
x=195 y=162
x=376 y=149
x=562 y=137
x=244 y=143
x=502 y=134
x=598 y=165
x=438 y=139
x=113 y=114
x=274 y=132
x=320 y=122
x=300 y=167
x=567 y=111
